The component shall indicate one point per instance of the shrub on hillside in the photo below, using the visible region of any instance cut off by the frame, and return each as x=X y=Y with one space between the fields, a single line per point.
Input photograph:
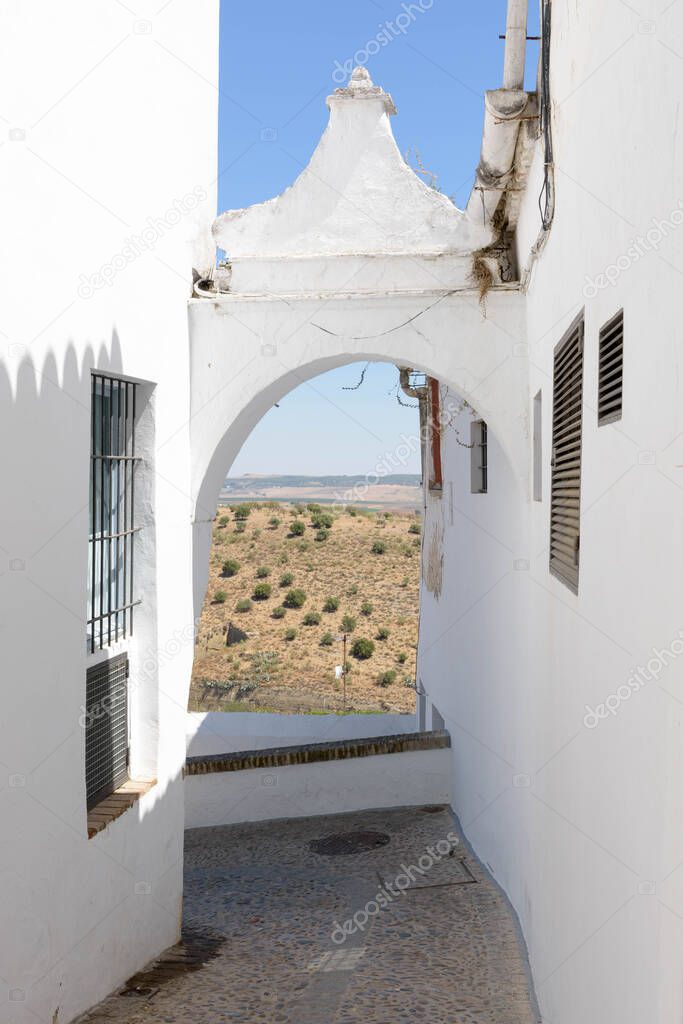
x=331 y=604
x=295 y=598
x=366 y=608
x=382 y=633
x=322 y=521
x=386 y=678
x=224 y=520
x=243 y=605
x=290 y=634
x=262 y=572
x=401 y=657
x=230 y=567
x=286 y=579
x=262 y=591
x=378 y=547
x=279 y=612
x=274 y=522
x=415 y=528
x=322 y=535
x=348 y=624
x=311 y=619
x=362 y=649
x=297 y=529
x=240 y=526
x=242 y=511
x=220 y=597
x=326 y=640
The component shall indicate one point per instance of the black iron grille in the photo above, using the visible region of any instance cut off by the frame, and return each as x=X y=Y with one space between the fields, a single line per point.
x=111 y=597
x=106 y=728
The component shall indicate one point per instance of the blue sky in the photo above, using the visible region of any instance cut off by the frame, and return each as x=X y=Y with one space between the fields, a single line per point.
x=278 y=63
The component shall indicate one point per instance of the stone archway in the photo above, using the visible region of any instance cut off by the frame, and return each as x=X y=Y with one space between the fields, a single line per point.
x=357 y=260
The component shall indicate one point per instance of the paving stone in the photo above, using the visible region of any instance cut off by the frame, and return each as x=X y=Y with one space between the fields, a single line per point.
x=411 y=930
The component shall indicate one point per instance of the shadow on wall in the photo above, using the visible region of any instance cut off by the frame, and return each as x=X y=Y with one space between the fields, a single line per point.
x=66 y=901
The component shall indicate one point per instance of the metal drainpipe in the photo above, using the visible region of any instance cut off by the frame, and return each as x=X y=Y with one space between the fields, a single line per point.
x=515 y=44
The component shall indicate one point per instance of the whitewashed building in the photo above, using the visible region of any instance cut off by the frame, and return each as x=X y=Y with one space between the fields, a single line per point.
x=551 y=628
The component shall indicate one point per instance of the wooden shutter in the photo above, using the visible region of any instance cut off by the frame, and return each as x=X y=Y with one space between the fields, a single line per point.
x=611 y=370
x=565 y=524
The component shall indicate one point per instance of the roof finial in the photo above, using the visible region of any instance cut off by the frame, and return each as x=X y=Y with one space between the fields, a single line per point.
x=361 y=77
x=361 y=86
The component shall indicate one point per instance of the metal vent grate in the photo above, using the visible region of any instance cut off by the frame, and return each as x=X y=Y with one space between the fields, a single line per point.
x=106 y=728
x=566 y=457
x=611 y=370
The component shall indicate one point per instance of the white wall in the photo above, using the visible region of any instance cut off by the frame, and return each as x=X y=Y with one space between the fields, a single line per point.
x=411 y=778
x=582 y=826
x=221 y=732
x=105 y=124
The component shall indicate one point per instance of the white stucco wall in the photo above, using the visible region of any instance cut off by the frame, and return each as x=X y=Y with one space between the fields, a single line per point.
x=221 y=732
x=581 y=826
x=409 y=779
x=105 y=125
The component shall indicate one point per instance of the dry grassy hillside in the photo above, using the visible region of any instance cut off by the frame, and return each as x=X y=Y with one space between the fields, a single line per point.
x=358 y=571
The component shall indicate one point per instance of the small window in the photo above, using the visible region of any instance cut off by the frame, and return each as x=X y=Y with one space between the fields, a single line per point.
x=538 y=447
x=106 y=728
x=113 y=461
x=565 y=489
x=479 y=456
x=611 y=370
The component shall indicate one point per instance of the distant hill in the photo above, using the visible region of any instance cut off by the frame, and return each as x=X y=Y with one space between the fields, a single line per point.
x=395 y=491
x=251 y=480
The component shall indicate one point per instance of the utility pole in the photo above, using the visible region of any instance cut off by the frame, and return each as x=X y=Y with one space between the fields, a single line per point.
x=343 y=669
x=344 y=674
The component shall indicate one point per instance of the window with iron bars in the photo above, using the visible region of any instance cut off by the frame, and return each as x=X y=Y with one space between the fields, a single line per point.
x=113 y=462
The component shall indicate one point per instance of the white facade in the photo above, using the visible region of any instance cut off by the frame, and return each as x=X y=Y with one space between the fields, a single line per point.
x=580 y=823
x=576 y=816
x=104 y=126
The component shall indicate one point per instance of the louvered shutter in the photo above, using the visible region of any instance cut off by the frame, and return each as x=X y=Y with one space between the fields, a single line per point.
x=611 y=370
x=566 y=457
x=106 y=728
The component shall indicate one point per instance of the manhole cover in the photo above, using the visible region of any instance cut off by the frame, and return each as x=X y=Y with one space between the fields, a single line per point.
x=342 y=844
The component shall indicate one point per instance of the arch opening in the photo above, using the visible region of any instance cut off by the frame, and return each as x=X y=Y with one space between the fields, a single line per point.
x=346 y=604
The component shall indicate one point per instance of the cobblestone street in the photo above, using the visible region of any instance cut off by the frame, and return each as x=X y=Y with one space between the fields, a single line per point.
x=271 y=936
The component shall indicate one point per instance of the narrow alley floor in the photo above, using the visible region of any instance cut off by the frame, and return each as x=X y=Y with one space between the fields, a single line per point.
x=382 y=917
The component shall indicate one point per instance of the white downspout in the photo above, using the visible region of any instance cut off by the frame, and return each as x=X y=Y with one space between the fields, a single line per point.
x=503 y=109
x=515 y=44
